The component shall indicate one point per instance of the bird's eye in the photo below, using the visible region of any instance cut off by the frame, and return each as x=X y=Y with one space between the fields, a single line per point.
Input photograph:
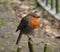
x=33 y=16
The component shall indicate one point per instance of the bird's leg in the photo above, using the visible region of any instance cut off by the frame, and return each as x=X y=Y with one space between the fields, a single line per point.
x=29 y=37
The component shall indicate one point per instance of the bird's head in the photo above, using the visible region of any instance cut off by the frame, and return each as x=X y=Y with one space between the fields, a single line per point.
x=36 y=14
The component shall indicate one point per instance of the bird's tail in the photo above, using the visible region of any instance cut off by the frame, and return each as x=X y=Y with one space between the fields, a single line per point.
x=17 y=29
x=19 y=37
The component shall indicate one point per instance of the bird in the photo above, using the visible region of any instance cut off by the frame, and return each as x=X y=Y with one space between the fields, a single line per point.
x=27 y=25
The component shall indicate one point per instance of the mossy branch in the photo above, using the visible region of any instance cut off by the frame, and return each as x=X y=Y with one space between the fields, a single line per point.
x=19 y=49
x=30 y=45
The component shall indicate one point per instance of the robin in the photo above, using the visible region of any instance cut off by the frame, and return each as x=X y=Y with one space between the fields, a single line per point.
x=27 y=25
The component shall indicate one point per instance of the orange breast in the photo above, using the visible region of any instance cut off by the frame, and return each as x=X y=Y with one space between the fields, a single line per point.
x=34 y=22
